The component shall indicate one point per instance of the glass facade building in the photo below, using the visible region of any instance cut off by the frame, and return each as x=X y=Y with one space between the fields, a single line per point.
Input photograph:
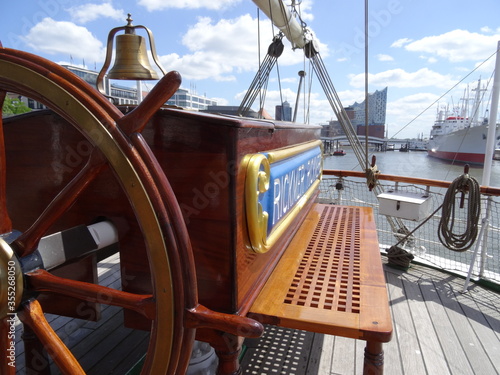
x=377 y=103
x=124 y=95
x=183 y=98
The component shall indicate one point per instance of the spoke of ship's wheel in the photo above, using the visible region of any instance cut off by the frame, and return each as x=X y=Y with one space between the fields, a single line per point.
x=41 y=280
x=5 y=223
x=27 y=242
x=32 y=315
x=136 y=120
x=8 y=365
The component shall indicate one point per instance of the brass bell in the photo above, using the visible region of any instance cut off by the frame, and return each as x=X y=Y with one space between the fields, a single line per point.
x=131 y=61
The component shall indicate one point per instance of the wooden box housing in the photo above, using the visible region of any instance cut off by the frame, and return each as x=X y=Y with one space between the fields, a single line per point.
x=203 y=156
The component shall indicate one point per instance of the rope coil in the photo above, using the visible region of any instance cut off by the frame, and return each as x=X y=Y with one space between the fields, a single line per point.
x=400 y=258
x=460 y=241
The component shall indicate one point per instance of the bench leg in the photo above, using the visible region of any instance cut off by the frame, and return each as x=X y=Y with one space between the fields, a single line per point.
x=228 y=348
x=374 y=359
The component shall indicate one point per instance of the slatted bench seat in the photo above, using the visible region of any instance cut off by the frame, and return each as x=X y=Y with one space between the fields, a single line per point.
x=330 y=280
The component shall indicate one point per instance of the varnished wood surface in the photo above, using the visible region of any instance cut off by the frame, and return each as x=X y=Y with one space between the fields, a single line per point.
x=51 y=158
x=94 y=117
x=5 y=223
x=330 y=279
x=202 y=156
x=33 y=316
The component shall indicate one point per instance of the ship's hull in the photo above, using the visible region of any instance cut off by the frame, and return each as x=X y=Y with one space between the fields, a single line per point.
x=465 y=145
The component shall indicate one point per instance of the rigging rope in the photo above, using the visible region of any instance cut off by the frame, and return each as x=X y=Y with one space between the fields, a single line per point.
x=261 y=79
x=342 y=117
x=319 y=68
x=460 y=241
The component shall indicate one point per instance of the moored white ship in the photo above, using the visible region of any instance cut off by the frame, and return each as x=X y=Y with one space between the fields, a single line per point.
x=459 y=137
x=466 y=144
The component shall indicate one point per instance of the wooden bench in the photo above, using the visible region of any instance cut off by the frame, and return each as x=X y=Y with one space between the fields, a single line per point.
x=330 y=280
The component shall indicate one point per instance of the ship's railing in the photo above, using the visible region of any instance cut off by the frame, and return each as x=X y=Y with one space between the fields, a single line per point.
x=350 y=188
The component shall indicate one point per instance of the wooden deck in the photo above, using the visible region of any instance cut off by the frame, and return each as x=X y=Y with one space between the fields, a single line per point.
x=437 y=330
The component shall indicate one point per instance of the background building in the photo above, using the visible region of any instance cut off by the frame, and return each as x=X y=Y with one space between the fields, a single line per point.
x=283 y=112
x=183 y=98
x=124 y=95
x=377 y=104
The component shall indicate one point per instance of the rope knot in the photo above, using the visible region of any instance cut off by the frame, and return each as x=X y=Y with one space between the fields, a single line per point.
x=372 y=176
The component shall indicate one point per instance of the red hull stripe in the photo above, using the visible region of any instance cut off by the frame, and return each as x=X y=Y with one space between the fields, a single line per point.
x=458 y=156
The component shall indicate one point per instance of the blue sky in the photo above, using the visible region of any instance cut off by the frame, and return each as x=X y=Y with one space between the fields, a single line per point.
x=418 y=49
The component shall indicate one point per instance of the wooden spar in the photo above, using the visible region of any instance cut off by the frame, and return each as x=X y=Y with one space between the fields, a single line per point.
x=282 y=19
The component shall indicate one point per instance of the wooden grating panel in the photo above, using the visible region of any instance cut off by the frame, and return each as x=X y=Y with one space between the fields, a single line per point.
x=328 y=276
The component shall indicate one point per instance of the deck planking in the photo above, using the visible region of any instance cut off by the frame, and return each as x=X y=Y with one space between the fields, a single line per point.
x=437 y=330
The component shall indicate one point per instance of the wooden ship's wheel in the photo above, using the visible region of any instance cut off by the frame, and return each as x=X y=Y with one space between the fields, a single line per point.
x=113 y=179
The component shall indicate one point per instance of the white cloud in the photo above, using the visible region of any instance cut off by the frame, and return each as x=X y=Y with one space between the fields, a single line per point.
x=486 y=29
x=456 y=46
x=200 y=65
x=59 y=37
x=211 y=44
x=400 y=42
x=410 y=115
x=305 y=8
x=382 y=57
x=400 y=78
x=215 y=55
x=90 y=12
x=206 y=35
x=154 y=5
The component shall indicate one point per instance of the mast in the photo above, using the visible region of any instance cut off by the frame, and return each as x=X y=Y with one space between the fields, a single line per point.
x=492 y=123
x=477 y=104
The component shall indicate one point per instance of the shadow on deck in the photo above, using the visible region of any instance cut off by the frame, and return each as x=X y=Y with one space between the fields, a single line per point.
x=437 y=330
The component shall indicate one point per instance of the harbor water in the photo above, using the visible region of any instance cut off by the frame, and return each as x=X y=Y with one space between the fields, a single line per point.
x=413 y=164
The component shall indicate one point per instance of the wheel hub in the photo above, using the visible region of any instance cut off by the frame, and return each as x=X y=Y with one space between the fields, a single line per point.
x=11 y=280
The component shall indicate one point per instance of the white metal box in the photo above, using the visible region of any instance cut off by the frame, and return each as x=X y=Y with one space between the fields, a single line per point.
x=411 y=206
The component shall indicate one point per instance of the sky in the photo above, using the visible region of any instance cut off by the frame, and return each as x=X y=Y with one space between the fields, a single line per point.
x=426 y=52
